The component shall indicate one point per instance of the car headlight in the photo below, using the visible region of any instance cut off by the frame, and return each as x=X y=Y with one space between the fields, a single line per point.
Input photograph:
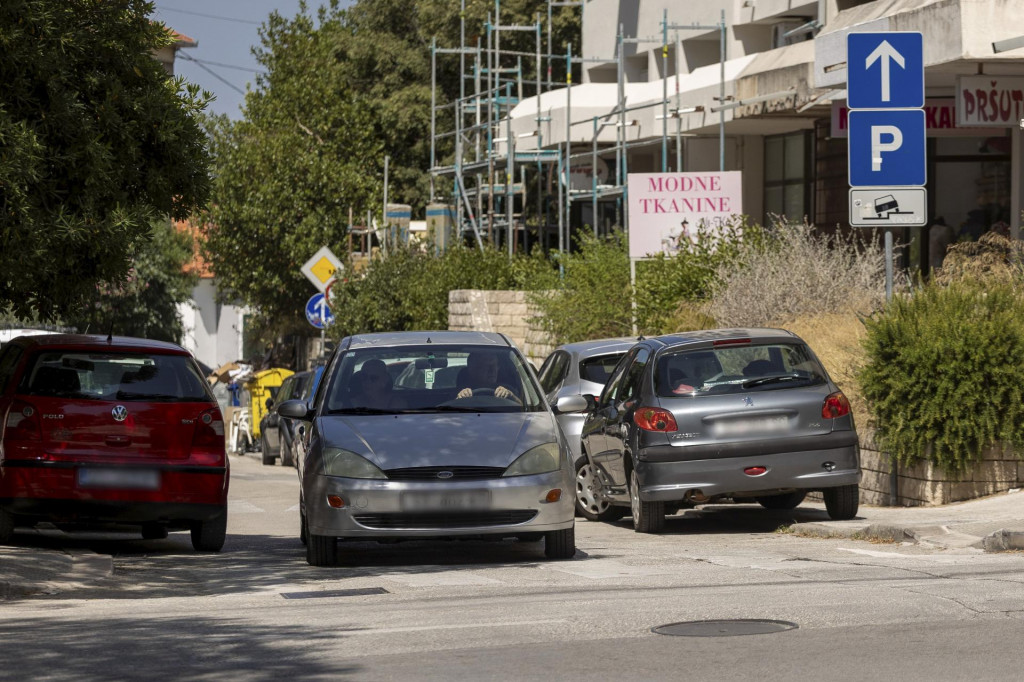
x=538 y=460
x=338 y=462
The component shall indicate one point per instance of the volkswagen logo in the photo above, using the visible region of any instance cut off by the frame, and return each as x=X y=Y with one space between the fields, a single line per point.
x=120 y=413
x=445 y=474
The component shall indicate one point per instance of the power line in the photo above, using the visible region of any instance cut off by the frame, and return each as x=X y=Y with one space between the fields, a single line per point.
x=211 y=16
x=227 y=66
x=212 y=73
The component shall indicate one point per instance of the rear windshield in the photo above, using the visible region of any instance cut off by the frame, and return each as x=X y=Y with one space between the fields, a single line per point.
x=598 y=369
x=432 y=378
x=114 y=376
x=736 y=369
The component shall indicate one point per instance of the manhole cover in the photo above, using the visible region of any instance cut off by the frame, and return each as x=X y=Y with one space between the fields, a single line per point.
x=327 y=594
x=724 y=628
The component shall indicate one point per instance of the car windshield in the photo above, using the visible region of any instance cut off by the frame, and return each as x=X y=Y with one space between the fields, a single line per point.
x=89 y=375
x=429 y=378
x=736 y=369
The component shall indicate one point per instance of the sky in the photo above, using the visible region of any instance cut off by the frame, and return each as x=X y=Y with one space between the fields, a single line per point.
x=226 y=31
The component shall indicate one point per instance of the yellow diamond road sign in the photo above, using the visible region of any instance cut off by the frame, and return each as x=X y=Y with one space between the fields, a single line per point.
x=322 y=268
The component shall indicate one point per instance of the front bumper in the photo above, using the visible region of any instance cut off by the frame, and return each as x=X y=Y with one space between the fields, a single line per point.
x=376 y=509
x=665 y=479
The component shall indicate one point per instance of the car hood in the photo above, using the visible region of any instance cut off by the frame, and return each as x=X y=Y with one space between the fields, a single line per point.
x=422 y=440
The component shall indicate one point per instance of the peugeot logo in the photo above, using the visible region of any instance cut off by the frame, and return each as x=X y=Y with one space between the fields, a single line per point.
x=444 y=474
x=120 y=413
x=747 y=401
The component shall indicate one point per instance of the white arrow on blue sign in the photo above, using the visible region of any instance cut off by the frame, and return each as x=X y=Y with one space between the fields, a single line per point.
x=885 y=70
x=887 y=148
x=317 y=312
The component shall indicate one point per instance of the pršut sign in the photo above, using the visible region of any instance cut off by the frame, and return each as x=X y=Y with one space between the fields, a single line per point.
x=990 y=101
x=667 y=207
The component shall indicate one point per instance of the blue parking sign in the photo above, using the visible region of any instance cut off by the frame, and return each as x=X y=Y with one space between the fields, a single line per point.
x=885 y=70
x=887 y=148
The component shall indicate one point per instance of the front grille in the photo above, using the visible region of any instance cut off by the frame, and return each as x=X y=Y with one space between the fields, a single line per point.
x=431 y=473
x=445 y=520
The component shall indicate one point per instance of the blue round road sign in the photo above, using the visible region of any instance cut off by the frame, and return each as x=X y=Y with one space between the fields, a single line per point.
x=317 y=312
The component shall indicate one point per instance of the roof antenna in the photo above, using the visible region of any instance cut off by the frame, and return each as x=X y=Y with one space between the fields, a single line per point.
x=110 y=333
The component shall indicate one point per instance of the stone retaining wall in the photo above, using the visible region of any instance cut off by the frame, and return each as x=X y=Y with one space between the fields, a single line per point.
x=507 y=312
x=925 y=484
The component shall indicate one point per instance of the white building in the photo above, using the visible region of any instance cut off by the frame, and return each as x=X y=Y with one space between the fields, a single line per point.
x=782 y=121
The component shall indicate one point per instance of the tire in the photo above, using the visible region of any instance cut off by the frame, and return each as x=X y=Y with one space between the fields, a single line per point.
x=268 y=459
x=286 y=456
x=153 y=531
x=6 y=527
x=302 y=527
x=841 y=503
x=321 y=550
x=783 y=502
x=208 y=535
x=587 y=504
x=648 y=517
x=560 y=544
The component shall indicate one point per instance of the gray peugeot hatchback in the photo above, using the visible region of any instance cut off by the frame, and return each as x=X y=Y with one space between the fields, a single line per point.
x=741 y=414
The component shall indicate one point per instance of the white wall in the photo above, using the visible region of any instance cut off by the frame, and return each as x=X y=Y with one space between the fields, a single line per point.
x=213 y=331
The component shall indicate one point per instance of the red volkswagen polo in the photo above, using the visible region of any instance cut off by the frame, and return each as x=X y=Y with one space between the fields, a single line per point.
x=110 y=431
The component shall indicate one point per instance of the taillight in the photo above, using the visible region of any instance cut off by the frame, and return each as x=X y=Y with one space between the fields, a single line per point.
x=209 y=434
x=23 y=422
x=836 y=405
x=654 y=419
x=730 y=342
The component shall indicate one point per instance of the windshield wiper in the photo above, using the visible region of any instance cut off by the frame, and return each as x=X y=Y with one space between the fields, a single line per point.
x=362 y=410
x=441 y=408
x=762 y=381
x=129 y=395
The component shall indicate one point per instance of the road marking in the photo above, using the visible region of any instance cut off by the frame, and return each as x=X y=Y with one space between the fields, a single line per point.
x=440 y=579
x=293 y=508
x=932 y=558
x=464 y=626
x=243 y=507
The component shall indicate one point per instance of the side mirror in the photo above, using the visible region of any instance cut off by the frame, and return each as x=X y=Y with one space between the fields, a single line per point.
x=571 y=403
x=295 y=409
x=591 y=402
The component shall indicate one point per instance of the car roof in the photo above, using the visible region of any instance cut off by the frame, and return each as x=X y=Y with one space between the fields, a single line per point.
x=594 y=346
x=98 y=342
x=703 y=335
x=384 y=339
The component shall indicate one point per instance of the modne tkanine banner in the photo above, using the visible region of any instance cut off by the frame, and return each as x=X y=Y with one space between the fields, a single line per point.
x=667 y=207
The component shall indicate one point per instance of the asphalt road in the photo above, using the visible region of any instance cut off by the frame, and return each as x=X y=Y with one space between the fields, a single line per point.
x=498 y=610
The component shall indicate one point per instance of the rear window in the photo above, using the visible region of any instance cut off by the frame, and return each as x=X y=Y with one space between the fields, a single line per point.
x=114 y=376
x=736 y=369
x=598 y=369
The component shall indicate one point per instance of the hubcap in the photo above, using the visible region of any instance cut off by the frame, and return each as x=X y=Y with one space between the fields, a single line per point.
x=585 y=496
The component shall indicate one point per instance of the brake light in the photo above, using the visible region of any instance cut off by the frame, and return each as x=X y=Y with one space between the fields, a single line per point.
x=209 y=435
x=730 y=342
x=836 y=405
x=23 y=422
x=654 y=419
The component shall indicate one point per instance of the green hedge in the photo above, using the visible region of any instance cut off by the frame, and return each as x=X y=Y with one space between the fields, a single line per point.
x=944 y=373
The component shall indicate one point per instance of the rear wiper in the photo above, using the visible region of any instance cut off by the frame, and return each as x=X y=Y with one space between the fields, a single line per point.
x=772 y=380
x=128 y=395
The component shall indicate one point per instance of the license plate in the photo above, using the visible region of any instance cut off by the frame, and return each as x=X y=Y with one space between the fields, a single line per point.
x=464 y=500
x=746 y=427
x=123 y=479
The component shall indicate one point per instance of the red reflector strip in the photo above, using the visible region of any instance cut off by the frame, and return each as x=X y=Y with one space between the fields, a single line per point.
x=755 y=471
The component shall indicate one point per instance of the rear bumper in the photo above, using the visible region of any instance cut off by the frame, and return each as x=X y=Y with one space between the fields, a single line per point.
x=670 y=480
x=48 y=490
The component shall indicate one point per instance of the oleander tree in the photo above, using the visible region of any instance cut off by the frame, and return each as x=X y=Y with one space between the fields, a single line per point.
x=97 y=142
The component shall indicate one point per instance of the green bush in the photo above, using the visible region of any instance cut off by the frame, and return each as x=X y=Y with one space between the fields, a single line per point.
x=943 y=376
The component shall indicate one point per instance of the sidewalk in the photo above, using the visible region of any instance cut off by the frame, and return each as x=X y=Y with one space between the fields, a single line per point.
x=991 y=524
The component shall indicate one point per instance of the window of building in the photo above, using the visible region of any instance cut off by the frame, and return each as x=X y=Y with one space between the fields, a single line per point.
x=786 y=176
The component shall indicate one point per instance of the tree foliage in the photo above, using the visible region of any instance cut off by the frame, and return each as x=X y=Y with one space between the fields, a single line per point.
x=95 y=142
x=145 y=304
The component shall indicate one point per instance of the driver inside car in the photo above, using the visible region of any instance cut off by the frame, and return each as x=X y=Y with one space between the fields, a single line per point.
x=481 y=375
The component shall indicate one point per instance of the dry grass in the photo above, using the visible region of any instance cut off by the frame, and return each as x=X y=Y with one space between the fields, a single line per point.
x=993 y=258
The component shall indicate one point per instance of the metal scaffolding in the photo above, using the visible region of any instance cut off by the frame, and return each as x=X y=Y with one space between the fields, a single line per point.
x=484 y=144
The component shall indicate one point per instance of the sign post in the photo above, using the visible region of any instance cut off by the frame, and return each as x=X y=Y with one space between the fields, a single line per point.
x=886 y=144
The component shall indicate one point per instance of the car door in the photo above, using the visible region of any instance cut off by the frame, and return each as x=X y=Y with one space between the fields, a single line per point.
x=271 y=423
x=596 y=429
x=620 y=424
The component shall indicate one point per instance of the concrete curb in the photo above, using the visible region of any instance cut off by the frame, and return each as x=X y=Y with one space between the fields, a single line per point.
x=1003 y=541
x=869 y=531
x=1000 y=541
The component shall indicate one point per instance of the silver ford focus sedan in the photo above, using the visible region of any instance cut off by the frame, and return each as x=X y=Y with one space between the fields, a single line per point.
x=432 y=434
